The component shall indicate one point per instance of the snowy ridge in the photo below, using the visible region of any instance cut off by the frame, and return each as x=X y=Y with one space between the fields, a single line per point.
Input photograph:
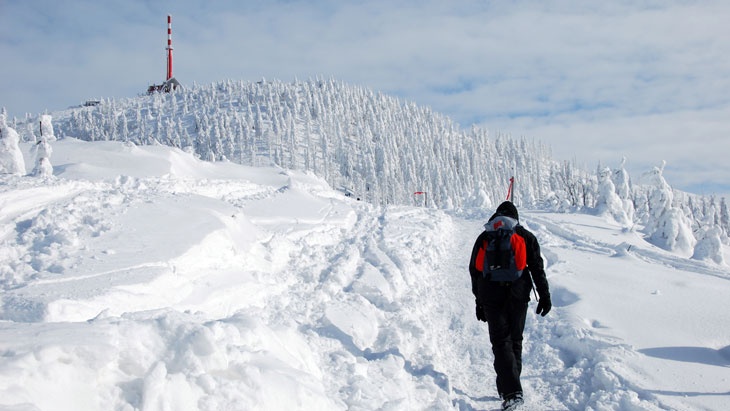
x=144 y=278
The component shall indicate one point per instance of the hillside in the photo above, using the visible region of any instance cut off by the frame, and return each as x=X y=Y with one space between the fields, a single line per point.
x=375 y=146
x=144 y=278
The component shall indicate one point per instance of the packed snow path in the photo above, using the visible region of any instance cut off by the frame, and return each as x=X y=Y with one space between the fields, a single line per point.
x=144 y=279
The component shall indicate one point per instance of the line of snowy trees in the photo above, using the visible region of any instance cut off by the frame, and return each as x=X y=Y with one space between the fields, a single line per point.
x=384 y=150
x=691 y=225
x=373 y=145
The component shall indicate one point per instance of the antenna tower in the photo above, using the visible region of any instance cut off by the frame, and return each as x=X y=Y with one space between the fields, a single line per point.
x=169 y=47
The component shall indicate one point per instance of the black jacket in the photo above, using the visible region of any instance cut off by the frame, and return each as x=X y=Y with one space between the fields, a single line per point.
x=519 y=289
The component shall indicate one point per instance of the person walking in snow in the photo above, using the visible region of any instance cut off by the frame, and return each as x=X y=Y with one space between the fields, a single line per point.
x=502 y=301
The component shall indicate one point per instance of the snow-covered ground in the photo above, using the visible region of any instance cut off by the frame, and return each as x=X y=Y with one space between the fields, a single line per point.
x=139 y=278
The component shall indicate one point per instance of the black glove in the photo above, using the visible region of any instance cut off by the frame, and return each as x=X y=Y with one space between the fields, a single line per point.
x=544 y=305
x=480 y=312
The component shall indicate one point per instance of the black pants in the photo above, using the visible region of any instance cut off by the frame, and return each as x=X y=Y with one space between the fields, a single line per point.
x=506 y=318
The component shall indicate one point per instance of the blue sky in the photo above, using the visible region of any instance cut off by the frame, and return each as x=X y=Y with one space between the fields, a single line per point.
x=597 y=81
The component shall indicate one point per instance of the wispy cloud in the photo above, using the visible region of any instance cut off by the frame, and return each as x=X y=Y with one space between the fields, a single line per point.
x=596 y=80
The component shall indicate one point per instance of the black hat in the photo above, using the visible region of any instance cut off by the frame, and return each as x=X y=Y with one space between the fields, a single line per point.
x=507 y=209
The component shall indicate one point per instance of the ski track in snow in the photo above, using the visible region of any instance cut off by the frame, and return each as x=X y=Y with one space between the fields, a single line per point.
x=571 y=238
x=212 y=293
x=581 y=366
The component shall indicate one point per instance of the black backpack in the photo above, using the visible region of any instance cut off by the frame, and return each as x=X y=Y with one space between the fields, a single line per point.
x=505 y=253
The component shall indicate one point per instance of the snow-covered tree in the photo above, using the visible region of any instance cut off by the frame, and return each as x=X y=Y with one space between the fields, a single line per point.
x=11 y=158
x=47 y=128
x=667 y=226
x=43 y=150
x=725 y=219
x=43 y=167
x=623 y=189
x=608 y=202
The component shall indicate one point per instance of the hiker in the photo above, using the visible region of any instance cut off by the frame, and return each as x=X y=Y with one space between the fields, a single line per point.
x=502 y=297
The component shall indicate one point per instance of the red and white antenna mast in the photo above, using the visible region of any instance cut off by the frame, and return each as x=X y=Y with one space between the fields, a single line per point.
x=169 y=47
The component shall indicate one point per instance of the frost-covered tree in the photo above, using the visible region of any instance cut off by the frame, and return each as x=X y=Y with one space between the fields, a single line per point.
x=43 y=166
x=623 y=189
x=571 y=188
x=709 y=234
x=667 y=227
x=608 y=202
x=11 y=158
x=725 y=220
x=46 y=128
x=43 y=150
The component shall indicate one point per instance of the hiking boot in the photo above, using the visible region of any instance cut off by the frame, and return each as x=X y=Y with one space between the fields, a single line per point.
x=512 y=401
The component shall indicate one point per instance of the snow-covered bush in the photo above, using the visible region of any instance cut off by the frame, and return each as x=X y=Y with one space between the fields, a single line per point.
x=709 y=247
x=479 y=199
x=556 y=202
